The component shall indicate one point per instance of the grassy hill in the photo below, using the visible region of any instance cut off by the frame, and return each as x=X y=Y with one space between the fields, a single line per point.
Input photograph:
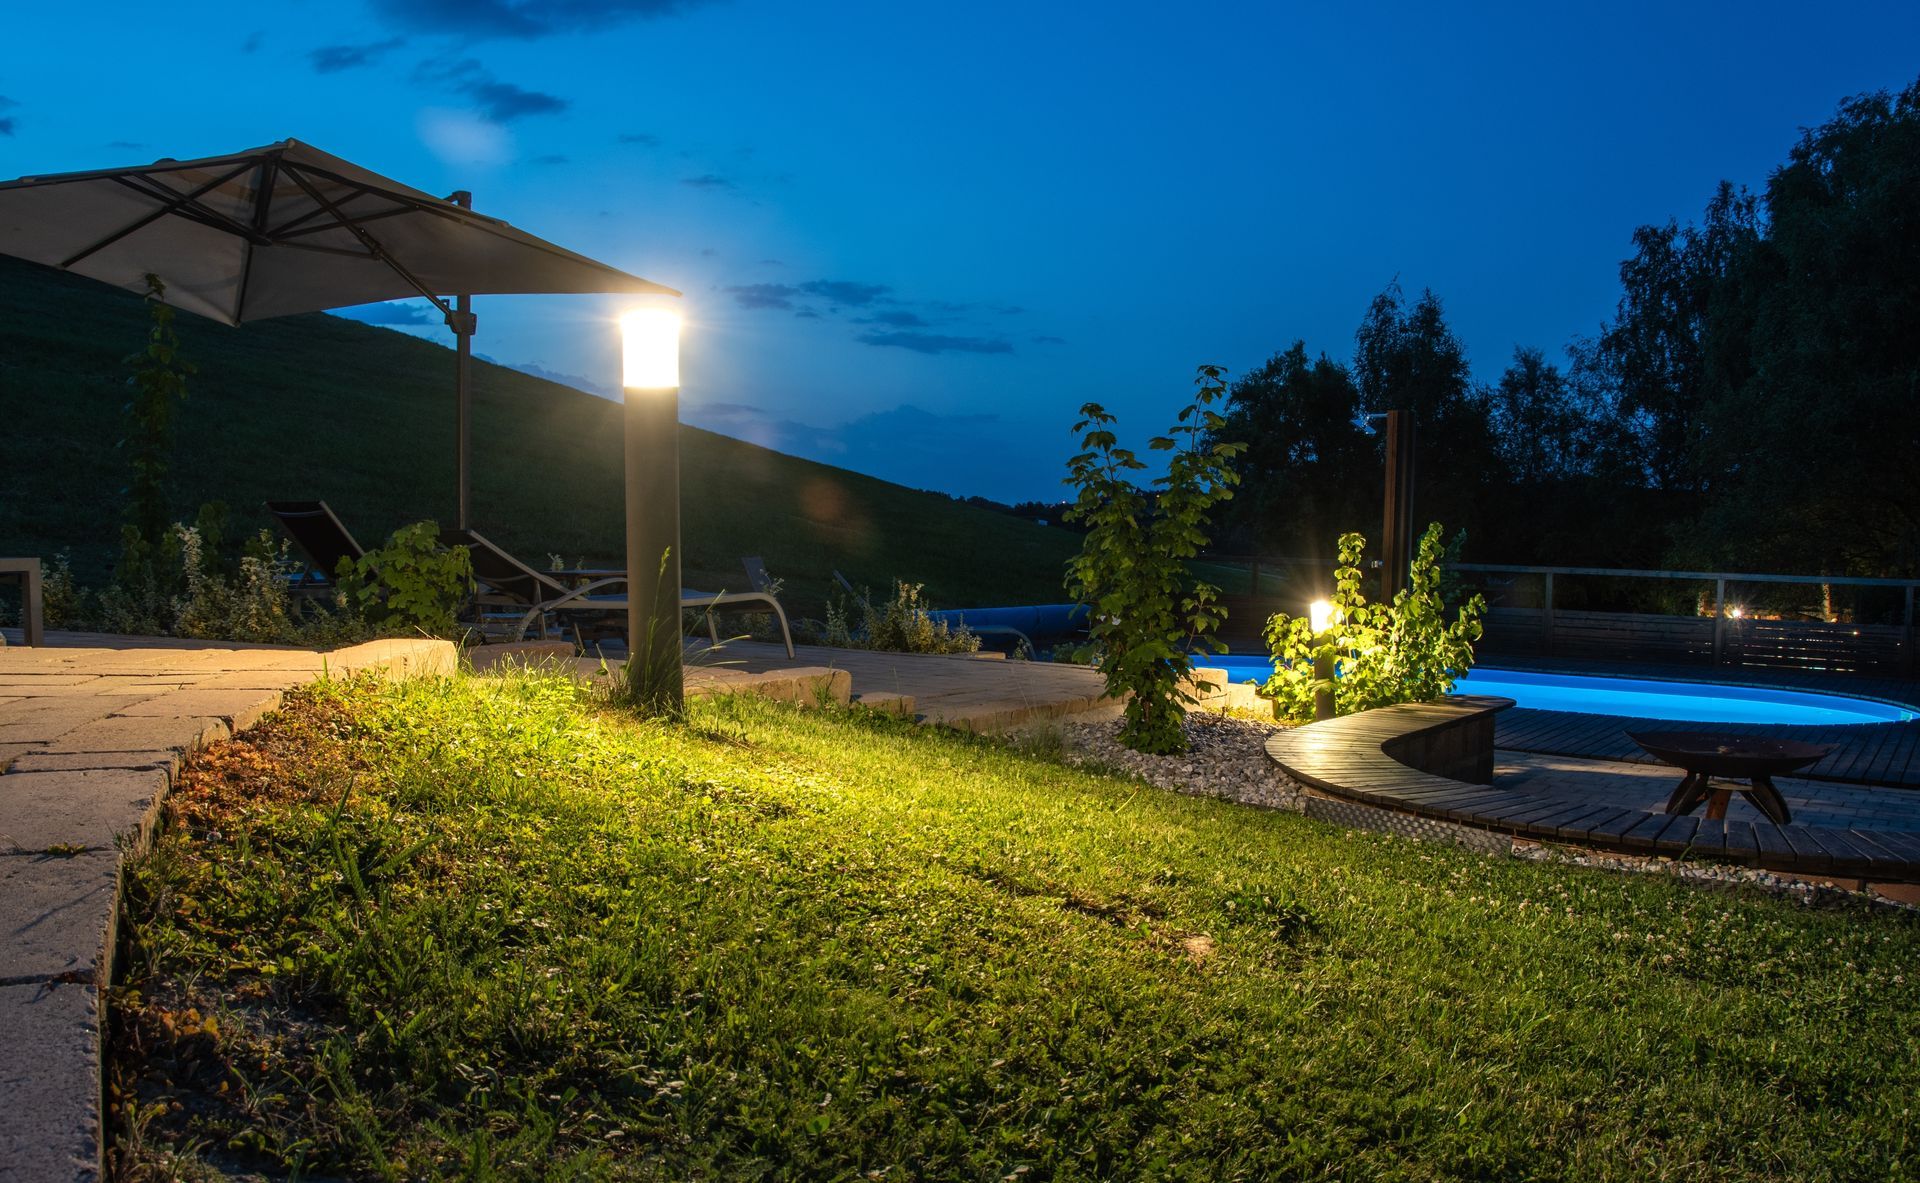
x=317 y=406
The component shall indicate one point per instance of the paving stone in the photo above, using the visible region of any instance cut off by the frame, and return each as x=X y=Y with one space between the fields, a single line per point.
x=122 y=734
x=255 y=680
x=9 y=752
x=96 y=809
x=38 y=720
x=57 y=914
x=239 y=709
x=36 y=760
x=50 y=1083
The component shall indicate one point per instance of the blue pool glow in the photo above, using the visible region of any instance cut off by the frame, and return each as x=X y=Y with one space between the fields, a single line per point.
x=1634 y=698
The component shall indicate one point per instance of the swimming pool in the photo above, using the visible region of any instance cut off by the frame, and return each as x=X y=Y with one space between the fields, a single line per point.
x=1682 y=702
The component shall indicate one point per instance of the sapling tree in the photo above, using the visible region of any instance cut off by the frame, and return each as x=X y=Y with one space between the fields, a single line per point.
x=1406 y=651
x=1148 y=613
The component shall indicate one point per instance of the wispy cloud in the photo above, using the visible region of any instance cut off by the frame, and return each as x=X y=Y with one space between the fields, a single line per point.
x=896 y=318
x=764 y=295
x=644 y=139
x=549 y=158
x=388 y=314
x=125 y=145
x=711 y=181
x=7 y=122
x=332 y=59
x=522 y=19
x=502 y=102
x=936 y=343
x=1049 y=340
x=846 y=291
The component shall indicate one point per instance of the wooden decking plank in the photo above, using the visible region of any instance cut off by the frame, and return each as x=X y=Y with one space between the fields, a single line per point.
x=1678 y=835
x=1742 y=845
x=1614 y=829
x=1807 y=851
x=1646 y=835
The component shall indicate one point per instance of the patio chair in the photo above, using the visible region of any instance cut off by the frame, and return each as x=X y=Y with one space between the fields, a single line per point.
x=321 y=539
x=509 y=582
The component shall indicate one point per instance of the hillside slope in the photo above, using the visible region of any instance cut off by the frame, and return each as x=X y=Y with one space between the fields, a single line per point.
x=317 y=406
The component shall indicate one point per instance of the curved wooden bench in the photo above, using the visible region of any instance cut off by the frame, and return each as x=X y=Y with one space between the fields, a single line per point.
x=1424 y=759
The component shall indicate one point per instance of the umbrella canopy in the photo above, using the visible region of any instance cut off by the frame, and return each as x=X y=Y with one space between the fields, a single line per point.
x=281 y=229
x=288 y=228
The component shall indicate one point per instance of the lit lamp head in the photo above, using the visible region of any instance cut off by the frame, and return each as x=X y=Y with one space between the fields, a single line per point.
x=650 y=349
x=1320 y=615
x=1736 y=611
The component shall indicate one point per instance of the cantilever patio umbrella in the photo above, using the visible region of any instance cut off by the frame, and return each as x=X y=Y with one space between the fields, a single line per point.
x=287 y=228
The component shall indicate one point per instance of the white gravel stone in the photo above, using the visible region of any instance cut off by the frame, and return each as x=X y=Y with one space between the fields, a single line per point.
x=1226 y=758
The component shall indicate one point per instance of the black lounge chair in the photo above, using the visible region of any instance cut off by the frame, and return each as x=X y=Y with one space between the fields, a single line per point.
x=321 y=539
x=506 y=582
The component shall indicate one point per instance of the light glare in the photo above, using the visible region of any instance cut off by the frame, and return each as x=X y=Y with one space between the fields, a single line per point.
x=1320 y=615
x=650 y=349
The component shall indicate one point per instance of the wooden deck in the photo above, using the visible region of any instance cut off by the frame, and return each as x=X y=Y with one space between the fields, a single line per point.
x=1349 y=758
x=1886 y=754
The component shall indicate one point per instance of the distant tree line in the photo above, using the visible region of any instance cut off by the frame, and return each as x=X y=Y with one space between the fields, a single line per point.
x=1752 y=404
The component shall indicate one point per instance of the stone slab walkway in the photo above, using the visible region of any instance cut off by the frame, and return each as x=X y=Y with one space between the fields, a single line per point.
x=93 y=730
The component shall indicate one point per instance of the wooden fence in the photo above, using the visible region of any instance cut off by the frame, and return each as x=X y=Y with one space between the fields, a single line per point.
x=1718 y=634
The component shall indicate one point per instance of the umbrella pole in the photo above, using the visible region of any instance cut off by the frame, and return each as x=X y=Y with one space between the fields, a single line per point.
x=463 y=381
x=463 y=325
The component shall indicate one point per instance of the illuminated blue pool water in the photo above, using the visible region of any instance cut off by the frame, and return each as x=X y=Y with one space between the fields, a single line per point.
x=1682 y=702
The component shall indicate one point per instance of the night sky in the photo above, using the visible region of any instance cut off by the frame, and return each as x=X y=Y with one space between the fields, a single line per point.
x=914 y=238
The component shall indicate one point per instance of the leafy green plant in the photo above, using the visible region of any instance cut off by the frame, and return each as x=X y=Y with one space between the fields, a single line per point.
x=410 y=584
x=1148 y=613
x=902 y=624
x=159 y=385
x=1381 y=654
x=655 y=688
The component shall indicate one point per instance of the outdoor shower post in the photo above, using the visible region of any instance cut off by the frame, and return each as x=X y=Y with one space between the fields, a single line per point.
x=651 y=393
x=462 y=322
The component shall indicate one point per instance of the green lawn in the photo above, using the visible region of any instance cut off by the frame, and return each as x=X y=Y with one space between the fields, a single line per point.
x=486 y=928
x=362 y=417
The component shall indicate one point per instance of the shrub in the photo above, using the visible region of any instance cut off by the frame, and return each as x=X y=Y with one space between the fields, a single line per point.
x=1382 y=654
x=1148 y=614
x=903 y=624
x=410 y=584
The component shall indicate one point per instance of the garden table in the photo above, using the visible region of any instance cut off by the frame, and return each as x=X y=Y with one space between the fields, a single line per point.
x=1704 y=755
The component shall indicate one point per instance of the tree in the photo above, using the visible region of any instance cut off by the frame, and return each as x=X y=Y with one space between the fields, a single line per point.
x=1814 y=430
x=1407 y=358
x=1309 y=470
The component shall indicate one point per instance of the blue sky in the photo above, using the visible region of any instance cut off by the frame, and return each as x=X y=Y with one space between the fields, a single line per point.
x=915 y=238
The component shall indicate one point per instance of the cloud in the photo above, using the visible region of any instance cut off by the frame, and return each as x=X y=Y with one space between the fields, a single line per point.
x=643 y=138
x=845 y=291
x=522 y=19
x=573 y=380
x=462 y=137
x=1049 y=340
x=502 y=102
x=253 y=42
x=549 y=158
x=897 y=319
x=936 y=343
x=710 y=181
x=764 y=295
x=332 y=59
x=390 y=313
x=8 y=122
x=707 y=252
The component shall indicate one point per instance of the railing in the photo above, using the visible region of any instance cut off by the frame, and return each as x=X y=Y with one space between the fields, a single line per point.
x=1530 y=612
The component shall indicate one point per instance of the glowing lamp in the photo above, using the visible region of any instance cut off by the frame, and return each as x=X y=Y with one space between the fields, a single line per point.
x=650 y=349
x=1736 y=611
x=1320 y=615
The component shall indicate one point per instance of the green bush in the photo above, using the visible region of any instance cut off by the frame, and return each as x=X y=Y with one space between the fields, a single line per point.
x=1382 y=654
x=412 y=584
x=1148 y=614
x=903 y=624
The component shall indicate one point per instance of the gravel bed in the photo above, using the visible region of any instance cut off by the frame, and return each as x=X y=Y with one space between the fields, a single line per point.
x=1225 y=758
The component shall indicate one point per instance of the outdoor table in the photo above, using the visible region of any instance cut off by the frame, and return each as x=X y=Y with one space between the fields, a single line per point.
x=1703 y=755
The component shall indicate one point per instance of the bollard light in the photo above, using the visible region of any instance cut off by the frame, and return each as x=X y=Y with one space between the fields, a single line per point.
x=650 y=349
x=1320 y=616
x=650 y=374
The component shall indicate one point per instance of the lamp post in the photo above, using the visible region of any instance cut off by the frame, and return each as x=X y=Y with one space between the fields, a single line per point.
x=1320 y=619
x=650 y=379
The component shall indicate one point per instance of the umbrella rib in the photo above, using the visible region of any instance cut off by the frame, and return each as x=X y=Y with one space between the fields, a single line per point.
x=262 y=197
x=369 y=241
x=284 y=232
x=192 y=211
x=156 y=215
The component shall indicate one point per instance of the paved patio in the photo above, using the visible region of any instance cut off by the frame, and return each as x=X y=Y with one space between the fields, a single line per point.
x=93 y=730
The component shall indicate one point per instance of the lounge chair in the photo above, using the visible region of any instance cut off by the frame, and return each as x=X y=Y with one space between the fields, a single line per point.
x=509 y=582
x=321 y=539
